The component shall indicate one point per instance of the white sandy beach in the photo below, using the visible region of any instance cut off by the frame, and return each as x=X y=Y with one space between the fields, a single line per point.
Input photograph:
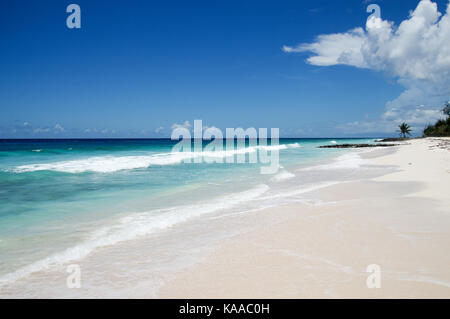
x=386 y=206
x=399 y=221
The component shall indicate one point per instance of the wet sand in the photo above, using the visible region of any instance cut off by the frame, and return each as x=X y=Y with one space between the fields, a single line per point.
x=399 y=221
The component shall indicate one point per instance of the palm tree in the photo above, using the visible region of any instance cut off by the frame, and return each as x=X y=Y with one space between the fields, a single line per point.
x=446 y=109
x=405 y=129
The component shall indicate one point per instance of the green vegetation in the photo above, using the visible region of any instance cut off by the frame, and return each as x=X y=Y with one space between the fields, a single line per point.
x=446 y=109
x=405 y=129
x=442 y=127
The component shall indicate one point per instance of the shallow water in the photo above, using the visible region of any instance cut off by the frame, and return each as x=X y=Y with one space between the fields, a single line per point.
x=63 y=200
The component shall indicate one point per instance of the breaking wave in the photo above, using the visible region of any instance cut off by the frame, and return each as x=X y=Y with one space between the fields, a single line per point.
x=134 y=226
x=110 y=164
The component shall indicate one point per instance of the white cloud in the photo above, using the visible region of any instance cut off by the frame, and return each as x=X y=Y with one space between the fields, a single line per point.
x=205 y=127
x=416 y=53
x=59 y=128
x=186 y=125
x=159 y=129
x=419 y=48
x=41 y=130
x=332 y=49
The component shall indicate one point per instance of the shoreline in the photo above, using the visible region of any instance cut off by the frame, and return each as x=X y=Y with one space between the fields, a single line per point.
x=311 y=232
x=399 y=221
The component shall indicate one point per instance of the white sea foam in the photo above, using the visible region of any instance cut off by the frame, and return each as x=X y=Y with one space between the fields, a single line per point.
x=302 y=190
x=104 y=164
x=333 y=142
x=134 y=226
x=347 y=161
x=110 y=164
x=281 y=176
x=36 y=151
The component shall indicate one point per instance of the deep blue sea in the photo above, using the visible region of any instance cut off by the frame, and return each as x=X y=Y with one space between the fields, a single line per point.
x=60 y=200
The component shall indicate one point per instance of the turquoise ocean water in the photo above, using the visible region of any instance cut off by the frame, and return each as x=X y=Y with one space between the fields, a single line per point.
x=60 y=200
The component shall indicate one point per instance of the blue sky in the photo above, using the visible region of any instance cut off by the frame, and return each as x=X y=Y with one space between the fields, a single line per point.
x=135 y=68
